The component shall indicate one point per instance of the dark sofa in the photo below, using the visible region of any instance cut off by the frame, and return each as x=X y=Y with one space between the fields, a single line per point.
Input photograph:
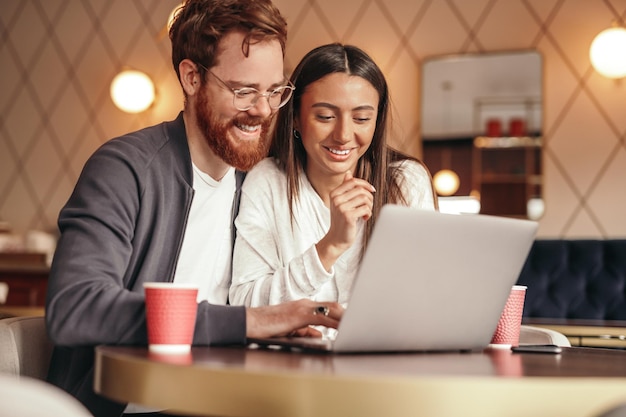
x=577 y=281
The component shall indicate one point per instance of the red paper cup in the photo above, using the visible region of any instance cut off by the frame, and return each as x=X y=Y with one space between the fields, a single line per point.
x=170 y=316
x=508 y=329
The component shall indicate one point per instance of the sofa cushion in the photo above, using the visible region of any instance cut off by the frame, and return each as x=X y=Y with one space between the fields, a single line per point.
x=575 y=279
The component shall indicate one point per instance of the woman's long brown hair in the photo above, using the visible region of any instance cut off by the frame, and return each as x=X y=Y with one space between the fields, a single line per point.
x=374 y=165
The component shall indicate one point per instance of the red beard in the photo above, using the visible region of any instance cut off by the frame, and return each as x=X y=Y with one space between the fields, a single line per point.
x=242 y=155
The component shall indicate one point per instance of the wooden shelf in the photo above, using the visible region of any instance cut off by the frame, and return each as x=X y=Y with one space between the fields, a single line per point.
x=503 y=179
x=26 y=274
x=507 y=142
x=506 y=172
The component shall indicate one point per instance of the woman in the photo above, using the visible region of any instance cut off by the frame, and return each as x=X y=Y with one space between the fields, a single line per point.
x=307 y=211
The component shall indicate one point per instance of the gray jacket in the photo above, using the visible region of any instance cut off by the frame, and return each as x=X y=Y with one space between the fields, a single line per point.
x=122 y=226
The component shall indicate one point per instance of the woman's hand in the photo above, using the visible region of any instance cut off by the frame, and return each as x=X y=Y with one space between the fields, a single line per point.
x=351 y=200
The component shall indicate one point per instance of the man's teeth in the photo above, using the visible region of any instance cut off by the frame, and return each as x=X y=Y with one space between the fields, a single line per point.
x=248 y=128
x=339 y=152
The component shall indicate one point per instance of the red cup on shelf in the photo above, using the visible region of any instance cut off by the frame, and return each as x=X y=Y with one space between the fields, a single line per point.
x=494 y=128
x=517 y=127
x=171 y=310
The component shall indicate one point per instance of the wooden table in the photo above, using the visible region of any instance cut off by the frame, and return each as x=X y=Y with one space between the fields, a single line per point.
x=237 y=381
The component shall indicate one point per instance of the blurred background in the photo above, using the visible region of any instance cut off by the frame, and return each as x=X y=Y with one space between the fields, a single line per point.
x=59 y=57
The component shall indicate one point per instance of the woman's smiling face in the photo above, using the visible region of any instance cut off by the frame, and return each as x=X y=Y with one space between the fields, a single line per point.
x=337 y=121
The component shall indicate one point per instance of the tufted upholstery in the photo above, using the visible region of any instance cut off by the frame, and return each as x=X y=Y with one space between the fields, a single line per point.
x=576 y=279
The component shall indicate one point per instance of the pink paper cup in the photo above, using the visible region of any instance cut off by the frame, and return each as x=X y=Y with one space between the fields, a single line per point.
x=509 y=326
x=171 y=310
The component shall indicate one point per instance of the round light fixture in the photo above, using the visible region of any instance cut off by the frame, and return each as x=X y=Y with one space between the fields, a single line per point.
x=132 y=91
x=446 y=182
x=608 y=52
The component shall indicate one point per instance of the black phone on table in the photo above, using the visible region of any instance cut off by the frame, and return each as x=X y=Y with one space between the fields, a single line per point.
x=537 y=349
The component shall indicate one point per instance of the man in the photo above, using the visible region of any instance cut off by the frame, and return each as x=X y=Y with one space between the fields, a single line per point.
x=158 y=204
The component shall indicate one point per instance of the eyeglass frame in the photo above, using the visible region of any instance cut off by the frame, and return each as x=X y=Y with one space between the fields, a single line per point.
x=257 y=94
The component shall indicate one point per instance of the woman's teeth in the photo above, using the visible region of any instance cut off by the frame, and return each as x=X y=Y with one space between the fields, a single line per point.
x=339 y=152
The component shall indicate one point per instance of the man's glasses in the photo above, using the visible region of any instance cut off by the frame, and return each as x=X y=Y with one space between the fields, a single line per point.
x=245 y=98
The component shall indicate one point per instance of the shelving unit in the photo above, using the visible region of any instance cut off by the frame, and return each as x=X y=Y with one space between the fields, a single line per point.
x=506 y=173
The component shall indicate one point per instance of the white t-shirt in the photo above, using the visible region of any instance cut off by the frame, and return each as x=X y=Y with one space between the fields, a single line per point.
x=205 y=256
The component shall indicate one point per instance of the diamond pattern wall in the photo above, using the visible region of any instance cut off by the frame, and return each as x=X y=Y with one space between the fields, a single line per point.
x=58 y=57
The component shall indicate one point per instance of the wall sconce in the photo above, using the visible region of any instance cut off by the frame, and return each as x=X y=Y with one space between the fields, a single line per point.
x=132 y=91
x=446 y=182
x=608 y=52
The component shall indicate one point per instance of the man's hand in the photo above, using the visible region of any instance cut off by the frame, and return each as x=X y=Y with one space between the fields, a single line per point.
x=292 y=318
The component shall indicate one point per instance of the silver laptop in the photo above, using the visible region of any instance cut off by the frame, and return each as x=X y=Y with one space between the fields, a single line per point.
x=428 y=281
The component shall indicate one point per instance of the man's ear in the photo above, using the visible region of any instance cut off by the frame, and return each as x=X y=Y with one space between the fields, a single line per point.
x=189 y=77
